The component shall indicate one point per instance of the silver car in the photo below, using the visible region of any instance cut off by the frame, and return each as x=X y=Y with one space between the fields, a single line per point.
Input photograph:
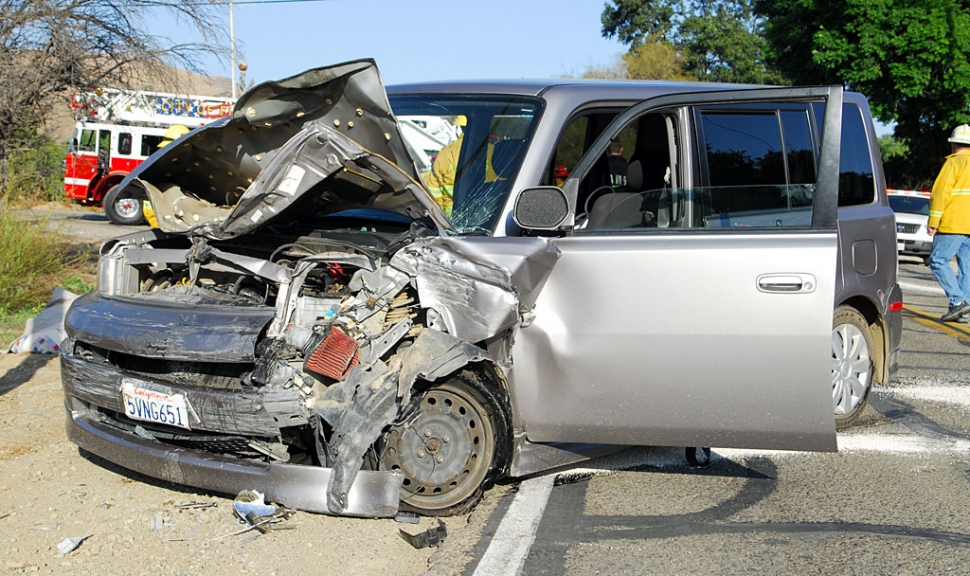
x=360 y=300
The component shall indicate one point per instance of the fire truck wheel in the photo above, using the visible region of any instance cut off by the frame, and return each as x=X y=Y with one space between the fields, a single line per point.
x=124 y=209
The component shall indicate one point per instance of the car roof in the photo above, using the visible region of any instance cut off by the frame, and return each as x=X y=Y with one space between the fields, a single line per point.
x=572 y=91
x=640 y=89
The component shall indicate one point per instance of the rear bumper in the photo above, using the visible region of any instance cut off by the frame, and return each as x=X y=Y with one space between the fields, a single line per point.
x=917 y=247
x=372 y=495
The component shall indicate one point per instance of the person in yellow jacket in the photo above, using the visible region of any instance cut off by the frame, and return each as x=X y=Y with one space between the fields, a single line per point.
x=949 y=225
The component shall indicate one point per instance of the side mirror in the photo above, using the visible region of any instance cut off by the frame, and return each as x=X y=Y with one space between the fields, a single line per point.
x=541 y=208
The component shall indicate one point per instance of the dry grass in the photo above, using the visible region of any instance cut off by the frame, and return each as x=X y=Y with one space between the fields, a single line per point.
x=32 y=262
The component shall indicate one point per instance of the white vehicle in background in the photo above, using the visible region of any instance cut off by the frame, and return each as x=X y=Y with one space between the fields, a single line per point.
x=911 y=209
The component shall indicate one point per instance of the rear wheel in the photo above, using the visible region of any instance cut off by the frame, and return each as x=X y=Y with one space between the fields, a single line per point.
x=852 y=367
x=452 y=440
x=124 y=209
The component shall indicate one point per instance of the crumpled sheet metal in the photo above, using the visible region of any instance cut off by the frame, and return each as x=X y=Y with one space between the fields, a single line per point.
x=370 y=399
x=224 y=334
x=475 y=297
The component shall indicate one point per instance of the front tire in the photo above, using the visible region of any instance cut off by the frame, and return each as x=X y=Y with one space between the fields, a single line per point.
x=452 y=441
x=124 y=209
x=852 y=367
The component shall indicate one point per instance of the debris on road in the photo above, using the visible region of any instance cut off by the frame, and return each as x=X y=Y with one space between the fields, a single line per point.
x=430 y=537
x=70 y=544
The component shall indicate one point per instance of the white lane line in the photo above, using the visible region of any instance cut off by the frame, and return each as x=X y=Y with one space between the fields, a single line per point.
x=510 y=546
x=913 y=287
x=951 y=395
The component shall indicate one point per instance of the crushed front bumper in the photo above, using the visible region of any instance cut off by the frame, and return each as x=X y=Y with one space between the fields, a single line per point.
x=373 y=494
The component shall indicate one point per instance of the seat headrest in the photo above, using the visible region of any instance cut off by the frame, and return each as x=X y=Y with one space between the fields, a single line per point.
x=634 y=175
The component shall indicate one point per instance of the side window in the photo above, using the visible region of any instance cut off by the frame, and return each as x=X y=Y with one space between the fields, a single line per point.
x=124 y=143
x=633 y=183
x=569 y=150
x=104 y=141
x=760 y=168
x=576 y=138
x=856 y=182
x=89 y=141
x=149 y=144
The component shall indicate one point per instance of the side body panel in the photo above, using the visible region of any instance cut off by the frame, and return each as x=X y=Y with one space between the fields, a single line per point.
x=668 y=340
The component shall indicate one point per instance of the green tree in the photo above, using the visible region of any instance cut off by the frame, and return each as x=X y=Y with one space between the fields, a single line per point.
x=909 y=57
x=718 y=40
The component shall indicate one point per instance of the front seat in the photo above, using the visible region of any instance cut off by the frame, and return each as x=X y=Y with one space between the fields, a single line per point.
x=620 y=209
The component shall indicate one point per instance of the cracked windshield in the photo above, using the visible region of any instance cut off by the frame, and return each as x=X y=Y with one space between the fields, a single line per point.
x=467 y=151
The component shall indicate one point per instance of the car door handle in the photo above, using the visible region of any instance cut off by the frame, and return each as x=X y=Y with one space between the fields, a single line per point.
x=787 y=283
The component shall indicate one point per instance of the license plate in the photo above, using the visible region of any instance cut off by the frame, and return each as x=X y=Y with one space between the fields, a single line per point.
x=147 y=405
x=900 y=246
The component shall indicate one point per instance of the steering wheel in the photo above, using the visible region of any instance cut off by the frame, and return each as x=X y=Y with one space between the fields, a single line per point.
x=594 y=194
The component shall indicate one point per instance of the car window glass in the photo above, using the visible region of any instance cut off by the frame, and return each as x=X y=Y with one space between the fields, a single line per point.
x=856 y=182
x=758 y=167
x=124 y=143
x=88 y=141
x=910 y=204
x=468 y=150
x=149 y=144
x=629 y=184
x=570 y=148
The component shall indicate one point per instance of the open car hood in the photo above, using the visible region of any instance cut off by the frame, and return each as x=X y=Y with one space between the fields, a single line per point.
x=321 y=142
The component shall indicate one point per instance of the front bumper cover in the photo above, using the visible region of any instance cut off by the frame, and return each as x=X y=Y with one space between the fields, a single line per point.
x=372 y=495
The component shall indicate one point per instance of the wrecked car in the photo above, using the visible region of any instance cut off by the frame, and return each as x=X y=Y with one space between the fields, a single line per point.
x=359 y=300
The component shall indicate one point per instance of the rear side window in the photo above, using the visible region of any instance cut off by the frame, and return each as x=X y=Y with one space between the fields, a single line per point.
x=760 y=167
x=856 y=182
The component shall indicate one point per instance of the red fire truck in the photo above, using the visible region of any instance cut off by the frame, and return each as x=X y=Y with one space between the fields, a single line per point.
x=116 y=131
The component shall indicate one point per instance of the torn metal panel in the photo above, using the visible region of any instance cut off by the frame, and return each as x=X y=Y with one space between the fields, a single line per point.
x=475 y=297
x=369 y=400
x=191 y=333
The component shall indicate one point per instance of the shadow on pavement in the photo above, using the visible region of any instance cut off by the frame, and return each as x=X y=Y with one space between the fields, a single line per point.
x=24 y=371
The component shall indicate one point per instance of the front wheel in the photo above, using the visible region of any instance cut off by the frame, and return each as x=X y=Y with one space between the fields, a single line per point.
x=124 y=209
x=852 y=367
x=452 y=440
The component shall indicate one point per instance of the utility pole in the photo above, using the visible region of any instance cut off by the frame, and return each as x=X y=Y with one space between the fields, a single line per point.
x=232 y=47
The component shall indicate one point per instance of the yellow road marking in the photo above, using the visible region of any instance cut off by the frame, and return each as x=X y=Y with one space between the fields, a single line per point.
x=955 y=329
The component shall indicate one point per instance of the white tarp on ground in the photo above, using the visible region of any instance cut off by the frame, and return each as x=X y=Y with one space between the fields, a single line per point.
x=44 y=333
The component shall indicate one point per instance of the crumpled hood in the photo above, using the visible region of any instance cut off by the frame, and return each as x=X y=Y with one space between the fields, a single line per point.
x=284 y=139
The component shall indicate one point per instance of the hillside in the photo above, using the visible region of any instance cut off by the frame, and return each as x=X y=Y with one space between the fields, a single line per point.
x=60 y=122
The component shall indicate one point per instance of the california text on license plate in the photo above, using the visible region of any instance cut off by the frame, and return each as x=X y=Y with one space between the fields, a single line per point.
x=153 y=406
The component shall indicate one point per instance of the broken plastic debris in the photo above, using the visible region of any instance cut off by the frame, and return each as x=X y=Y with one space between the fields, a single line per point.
x=69 y=544
x=407 y=518
x=158 y=524
x=195 y=505
x=430 y=537
x=251 y=502
x=46 y=527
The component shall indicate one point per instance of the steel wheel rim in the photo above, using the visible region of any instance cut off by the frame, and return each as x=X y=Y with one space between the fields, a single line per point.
x=444 y=448
x=127 y=207
x=850 y=368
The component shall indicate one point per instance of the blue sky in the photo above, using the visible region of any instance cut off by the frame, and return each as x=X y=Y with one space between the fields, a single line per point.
x=416 y=41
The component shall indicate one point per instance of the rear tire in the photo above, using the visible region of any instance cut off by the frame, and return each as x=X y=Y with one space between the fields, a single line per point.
x=124 y=209
x=452 y=441
x=852 y=367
